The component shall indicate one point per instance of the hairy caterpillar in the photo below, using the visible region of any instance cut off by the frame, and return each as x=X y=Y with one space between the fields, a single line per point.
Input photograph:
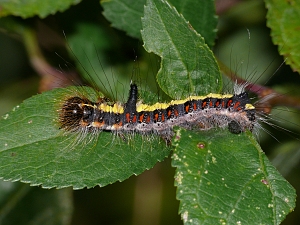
x=195 y=112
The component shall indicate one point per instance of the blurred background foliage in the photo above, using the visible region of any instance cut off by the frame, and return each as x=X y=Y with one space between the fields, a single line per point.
x=150 y=197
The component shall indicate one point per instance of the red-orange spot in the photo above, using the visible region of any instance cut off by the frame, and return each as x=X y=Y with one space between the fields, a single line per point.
x=162 y=117
x=236 y=105
x=229 y=103
x=134 y=119
x=141 y=118
x=176 y=112
x=217 y=104
x=195 y=106
x=187 y=107
x=148 y=119
x=210 y=104
x=155 y=116
x=204 y=104
x=169 y=112
x=127 y=117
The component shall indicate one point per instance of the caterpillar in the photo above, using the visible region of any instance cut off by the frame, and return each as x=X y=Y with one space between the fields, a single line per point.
x=235 y=111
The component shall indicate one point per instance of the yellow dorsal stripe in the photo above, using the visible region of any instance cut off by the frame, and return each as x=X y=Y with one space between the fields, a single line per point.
x=249 y=106
x=118 y=108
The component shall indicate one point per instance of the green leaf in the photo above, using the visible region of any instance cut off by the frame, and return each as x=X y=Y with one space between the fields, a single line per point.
x=125 y=15
x=34 y=205
x=223 y=178
x=186 y=61
x=34 y=150
x=283 y=19
x=29 y=8
x=201 y=15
